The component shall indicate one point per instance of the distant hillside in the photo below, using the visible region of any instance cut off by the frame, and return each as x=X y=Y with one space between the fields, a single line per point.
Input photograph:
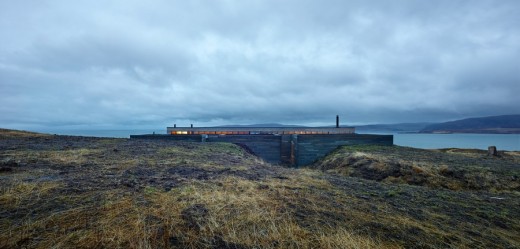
x=506 y=124
x=403 y=127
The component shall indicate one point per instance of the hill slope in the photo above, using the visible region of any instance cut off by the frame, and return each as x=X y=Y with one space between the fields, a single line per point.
x=87 y=192
x=494 y=124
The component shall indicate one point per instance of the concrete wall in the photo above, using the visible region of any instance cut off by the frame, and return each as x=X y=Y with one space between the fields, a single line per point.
x=188 y=138
x=266 y=147
x=313 y=147
x=292 y=150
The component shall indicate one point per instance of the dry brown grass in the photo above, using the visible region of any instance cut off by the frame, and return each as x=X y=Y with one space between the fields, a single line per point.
x=8 y=134
x=229 y=212
x=57 y=157
x=19 y=192
x=127 y=194
x=246 y=213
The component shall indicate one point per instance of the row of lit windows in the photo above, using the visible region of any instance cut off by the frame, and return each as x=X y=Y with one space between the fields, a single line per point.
x=222 y=132
x=179 y=132
x=305 y=132
x=249 y=132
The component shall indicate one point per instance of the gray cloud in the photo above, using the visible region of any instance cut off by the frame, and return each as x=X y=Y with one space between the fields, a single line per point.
x=131 y=63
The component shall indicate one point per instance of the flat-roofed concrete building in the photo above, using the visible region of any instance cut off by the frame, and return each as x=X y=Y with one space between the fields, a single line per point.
x=293 y=146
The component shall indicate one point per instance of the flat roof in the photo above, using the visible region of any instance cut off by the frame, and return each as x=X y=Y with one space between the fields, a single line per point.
x=259 y=130
x=253 y=127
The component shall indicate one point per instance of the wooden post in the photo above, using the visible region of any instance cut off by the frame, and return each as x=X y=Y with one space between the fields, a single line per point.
x=492 y=151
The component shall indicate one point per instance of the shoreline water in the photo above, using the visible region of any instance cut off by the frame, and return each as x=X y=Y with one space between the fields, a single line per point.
x=510 y=142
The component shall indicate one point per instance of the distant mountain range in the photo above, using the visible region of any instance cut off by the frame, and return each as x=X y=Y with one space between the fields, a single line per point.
x=400 y=128
x=506 y=124
x=404 y=127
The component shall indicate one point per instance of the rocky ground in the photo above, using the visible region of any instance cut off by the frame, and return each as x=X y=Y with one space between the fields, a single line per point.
x=83 y=192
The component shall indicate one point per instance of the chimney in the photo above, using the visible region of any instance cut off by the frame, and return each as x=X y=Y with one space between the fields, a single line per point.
x=174 y=125
x=337 y=121
x=191 y=125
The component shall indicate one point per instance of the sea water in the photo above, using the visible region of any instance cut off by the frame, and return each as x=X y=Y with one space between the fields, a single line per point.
x=466 y=141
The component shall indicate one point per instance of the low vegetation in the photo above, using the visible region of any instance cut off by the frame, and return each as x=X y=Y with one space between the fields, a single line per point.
x=455 y=169
x=81 y=192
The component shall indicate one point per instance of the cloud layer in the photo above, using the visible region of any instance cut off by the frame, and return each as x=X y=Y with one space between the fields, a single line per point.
x=154 y=63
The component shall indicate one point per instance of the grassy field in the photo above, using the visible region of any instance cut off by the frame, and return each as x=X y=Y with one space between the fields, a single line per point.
x=81 y=192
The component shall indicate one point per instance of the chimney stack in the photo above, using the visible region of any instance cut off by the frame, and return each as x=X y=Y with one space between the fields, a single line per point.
x=174 y=125
x=191 y=125
x=337 y=121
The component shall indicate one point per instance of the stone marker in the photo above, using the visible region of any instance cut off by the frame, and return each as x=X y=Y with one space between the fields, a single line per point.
x=492 y=151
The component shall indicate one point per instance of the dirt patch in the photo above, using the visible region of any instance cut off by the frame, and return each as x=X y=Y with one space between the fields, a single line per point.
x=195 y=216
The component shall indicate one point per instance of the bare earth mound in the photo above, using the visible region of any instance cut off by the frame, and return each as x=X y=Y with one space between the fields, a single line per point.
x=80 y=192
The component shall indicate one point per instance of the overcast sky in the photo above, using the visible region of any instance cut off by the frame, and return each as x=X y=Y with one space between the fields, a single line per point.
x=155 y=63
